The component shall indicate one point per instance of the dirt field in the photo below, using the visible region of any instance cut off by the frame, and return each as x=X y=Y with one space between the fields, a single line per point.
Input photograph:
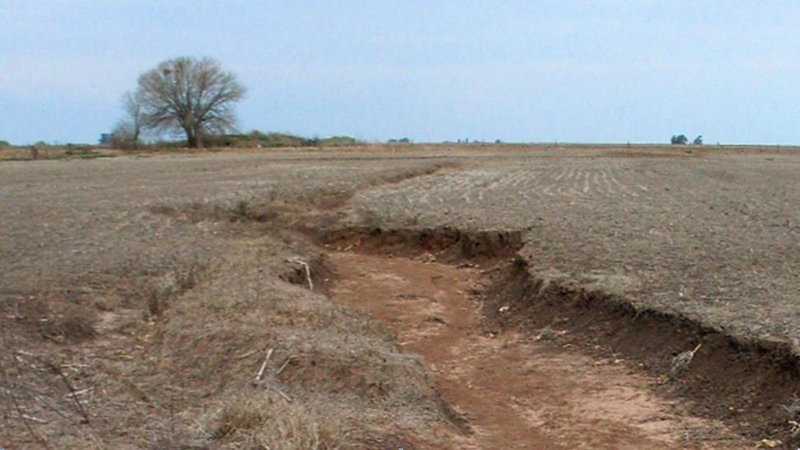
x=460 y=297
x=712 y=236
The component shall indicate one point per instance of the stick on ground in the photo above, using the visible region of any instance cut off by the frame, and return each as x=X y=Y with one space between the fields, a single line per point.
x=260 y=373
x=308 y=271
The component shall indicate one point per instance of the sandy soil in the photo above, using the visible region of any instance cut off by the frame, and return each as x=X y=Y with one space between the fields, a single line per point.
x=512 y=391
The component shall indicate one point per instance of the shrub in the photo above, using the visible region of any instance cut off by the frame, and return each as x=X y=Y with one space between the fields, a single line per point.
x=679 y=140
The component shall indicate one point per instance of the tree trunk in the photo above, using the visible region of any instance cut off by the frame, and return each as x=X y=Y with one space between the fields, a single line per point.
x=191 y=140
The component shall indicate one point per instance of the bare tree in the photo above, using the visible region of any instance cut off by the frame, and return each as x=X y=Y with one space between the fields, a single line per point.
x=190 y=96
x=127 y=133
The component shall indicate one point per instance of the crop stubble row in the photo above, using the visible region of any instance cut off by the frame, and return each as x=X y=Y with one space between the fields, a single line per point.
x=714 y=237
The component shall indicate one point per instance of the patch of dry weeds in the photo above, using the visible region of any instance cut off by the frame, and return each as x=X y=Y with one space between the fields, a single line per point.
x=265 y=420
x=216 y=337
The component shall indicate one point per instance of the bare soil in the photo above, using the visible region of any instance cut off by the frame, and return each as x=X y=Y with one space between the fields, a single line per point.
x=711 y=235
x=483 y=297
x=512 y=390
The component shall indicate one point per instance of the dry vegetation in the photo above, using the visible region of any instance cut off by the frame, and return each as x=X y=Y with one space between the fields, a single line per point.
x=153 y=289
x=48 y=152
x=141 y=297
x=713 y=235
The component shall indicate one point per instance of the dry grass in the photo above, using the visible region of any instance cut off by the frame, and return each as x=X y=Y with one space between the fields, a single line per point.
x=187 y=377
x=165 y=288
x=54 y=152
x=792 y=412
x=216 y=336
x=38 y=392
x=51 y=317
x=177 y=262
x=167 y=291
x=266 y=421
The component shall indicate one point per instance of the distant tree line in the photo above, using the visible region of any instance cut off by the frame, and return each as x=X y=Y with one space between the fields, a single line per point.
x=259 y=139
x=681 y=139
x=254 y=139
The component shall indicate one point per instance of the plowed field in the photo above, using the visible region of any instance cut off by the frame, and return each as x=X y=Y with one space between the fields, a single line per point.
x=247 y=299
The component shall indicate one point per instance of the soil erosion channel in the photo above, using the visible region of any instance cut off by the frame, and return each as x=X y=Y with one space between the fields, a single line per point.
x=513 y=391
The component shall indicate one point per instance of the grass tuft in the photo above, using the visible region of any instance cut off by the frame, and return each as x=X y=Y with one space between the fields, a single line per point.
x=266 y=421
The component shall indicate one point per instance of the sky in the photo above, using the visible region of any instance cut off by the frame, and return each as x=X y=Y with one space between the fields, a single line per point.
x=593 y=71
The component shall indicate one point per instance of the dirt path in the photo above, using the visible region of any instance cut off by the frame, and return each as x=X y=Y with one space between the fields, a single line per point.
x=514 y=392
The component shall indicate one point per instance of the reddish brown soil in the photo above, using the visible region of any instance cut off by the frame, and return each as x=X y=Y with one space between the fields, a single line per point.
x=511 y=391
x=648 y=252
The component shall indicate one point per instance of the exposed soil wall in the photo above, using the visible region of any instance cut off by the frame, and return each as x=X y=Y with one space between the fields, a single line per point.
x=748 y=383
x=445 y=244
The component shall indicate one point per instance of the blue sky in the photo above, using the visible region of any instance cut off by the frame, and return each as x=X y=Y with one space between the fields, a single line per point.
x=540 y=71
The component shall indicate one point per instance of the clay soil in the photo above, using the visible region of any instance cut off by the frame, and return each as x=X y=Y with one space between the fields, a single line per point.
x=402 y=297
x=512 y=390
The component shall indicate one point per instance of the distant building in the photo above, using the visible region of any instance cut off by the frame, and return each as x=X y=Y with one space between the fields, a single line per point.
x=106 y=138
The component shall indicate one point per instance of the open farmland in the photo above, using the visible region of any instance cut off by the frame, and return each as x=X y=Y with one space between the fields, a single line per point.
x=154 y=287
x=712 y=235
